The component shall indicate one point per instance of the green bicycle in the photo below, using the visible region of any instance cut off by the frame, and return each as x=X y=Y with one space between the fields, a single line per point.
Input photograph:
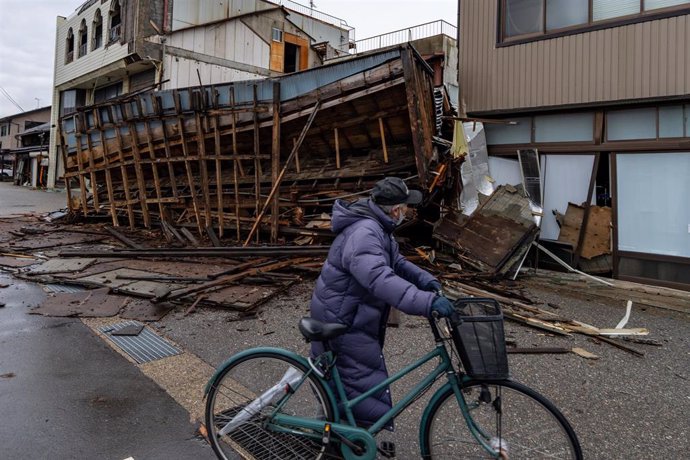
x=271 y=403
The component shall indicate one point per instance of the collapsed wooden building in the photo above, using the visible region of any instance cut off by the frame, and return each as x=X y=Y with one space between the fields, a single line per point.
x=254 y=161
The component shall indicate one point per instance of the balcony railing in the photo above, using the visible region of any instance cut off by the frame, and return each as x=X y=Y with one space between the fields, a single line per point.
x=69 y=57
x=82 y=50
x=397 y=37
x=114 y=34
x=308 y=11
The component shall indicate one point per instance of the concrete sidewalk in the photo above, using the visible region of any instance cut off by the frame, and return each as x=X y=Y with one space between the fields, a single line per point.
x=16 y=200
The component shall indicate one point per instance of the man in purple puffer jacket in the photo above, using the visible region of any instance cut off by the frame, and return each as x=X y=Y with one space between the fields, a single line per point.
x=363 y=276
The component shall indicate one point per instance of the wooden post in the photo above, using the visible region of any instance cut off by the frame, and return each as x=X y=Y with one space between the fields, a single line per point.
x=141 y=183
x=236 y=165
x=123 y=168
x=106 y=160
x=297 y=166
x=337 y=149
x=257 y=161
x=168 y=153
x=203 y=168
x=585 y=218
x=154 y=164
x=383 y=141
x=275 y=160
x=63 y=150
x=188 y=167
x=302 y=135
x=80 y=166
x=219 y=175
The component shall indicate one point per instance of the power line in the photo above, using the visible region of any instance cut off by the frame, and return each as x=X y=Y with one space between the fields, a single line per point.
x=7 y=95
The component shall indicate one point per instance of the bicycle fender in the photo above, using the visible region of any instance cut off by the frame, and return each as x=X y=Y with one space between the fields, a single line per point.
x=280 y=351
x=440 y=393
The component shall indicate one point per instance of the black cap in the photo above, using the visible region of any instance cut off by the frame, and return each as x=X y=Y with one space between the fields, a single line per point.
x=393 y=190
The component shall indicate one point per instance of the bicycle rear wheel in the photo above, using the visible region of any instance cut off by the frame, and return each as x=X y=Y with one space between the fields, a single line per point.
x=510 y=415
x=245 y=393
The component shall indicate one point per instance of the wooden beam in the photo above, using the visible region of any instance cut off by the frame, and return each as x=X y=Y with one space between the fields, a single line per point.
x=108 y=174
x=585 y=217
x=302 y=135
x=203 y=168
x=337 y=149
x=123 y=170
x=219 y=173
x=275 y=161
x=141 y=183
x=188 y=167
x=235 y=165
x=383 y=141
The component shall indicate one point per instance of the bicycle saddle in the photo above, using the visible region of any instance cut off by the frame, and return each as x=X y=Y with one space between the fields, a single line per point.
x=318 y=331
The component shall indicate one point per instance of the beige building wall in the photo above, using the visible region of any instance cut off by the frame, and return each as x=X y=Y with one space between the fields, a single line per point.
x=637 y=61
x=16 y=124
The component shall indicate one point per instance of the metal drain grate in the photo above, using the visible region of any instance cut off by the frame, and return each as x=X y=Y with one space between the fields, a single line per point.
x=145 y=347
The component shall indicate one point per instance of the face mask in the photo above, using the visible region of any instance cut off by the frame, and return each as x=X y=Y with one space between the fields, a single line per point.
x=401 y=217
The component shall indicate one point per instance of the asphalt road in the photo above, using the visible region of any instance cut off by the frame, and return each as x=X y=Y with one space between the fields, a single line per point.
x=65 y=394
x=621 y=406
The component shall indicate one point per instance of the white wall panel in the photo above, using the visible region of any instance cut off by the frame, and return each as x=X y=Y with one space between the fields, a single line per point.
x=565 y=179
x=652 y=196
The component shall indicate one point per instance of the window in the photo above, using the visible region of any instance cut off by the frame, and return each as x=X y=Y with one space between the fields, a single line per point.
x=71 y=99
x=565 y=13
x=115 y=23
x=107 y=92
x=4 y=129
x=665 y=122
x=69 y=47
x=97 y=31
x=535 y=18
x=83 y=38
x=277 y=35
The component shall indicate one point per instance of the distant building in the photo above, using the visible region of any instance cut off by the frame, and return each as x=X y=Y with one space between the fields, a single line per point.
x=109 y=48
x=14 y=165
x=602 y=90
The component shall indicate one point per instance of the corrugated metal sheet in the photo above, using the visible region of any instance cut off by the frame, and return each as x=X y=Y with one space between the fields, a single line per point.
x=643 y=60
x=291 y=86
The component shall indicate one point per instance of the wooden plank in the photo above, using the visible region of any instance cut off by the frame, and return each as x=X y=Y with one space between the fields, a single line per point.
x=188 y=167
x=154 y=164
x=203 y=168
x=80 y=167
x=219 y=168
x=588 y=205
x=236 y=165
x=383 y=141
x=123 y=170
x=337 y=148
x=168 y=155
x=275 y=162
x=63 y=151
x=141 y=183
x=282 y=172
x=108 y=174
x=257 y=162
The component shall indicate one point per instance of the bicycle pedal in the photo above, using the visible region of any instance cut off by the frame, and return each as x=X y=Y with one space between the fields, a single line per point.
x=387 y=449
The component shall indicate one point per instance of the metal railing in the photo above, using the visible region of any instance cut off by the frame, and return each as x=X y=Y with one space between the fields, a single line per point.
x=309 y=11
x=397 y=37
x=114 y=34
x=82 y=50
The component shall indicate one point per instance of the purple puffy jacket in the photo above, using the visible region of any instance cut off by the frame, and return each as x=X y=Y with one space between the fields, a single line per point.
x=362 y=277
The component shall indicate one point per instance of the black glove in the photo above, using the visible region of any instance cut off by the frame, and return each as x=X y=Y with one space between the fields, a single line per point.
x=433 y=286
x=442 y=306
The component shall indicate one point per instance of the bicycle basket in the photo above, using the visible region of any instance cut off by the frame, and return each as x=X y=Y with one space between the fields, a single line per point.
x=479 y=338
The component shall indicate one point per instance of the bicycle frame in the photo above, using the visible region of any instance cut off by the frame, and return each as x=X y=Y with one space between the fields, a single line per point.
x=281 y=422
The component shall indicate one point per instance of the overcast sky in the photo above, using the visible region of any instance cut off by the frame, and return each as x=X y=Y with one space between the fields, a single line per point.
x=27 y=37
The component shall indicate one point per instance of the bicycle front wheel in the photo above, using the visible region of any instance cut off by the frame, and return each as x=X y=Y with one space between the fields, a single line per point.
x=512 y=418
x=244 y=395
